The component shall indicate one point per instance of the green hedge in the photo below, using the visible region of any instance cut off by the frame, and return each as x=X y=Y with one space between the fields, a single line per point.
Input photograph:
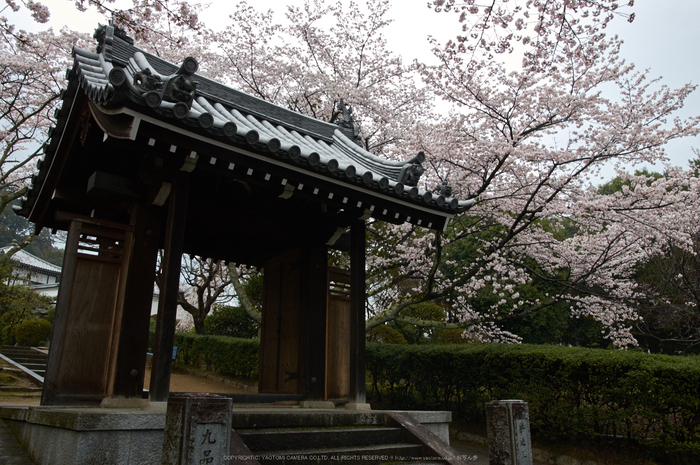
x=223 y=354
x=572 y=392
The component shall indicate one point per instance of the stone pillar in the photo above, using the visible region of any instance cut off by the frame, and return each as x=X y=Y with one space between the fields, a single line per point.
x=197 y=429
x=508 y=427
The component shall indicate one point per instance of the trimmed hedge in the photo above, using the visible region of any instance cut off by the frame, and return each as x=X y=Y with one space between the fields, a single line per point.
x=223 y=354
x=572 y=392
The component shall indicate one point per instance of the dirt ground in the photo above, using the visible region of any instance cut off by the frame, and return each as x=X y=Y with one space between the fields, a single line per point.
x=188 y=382
x=15 y=390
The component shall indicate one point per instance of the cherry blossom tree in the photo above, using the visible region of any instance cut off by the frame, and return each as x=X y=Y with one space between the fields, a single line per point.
x=171 y=23
x=32 y=69
x=540 y=101
x=325 y=52
x=667 y=276
x=525 y=141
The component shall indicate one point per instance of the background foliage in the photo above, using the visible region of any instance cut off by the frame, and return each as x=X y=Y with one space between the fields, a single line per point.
x=18 y=304
x=231 y=321
x=225 y=355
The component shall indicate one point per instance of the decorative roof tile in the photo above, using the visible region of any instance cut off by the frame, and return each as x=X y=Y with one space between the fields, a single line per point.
x=120 y=75
x=177 y=92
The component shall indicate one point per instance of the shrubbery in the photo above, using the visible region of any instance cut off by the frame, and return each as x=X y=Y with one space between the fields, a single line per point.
x=18 y=305
x=33 y=332
x=572 y=392
x=225 y=355
x=231 y=321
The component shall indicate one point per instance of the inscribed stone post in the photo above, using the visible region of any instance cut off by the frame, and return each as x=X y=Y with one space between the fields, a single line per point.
x=508 y=427
x=197 y=429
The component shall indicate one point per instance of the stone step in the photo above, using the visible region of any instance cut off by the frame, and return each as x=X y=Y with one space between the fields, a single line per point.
x=29 y=363
x=29 y=358
x=21 y=351
x=19 y=348
x=31 y=352
x=381 y=453
x=313 y=438
x=305 y=419
x=26 y=357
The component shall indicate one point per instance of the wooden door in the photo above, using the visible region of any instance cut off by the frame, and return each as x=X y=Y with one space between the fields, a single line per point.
x=279 y=345
x=338 y=335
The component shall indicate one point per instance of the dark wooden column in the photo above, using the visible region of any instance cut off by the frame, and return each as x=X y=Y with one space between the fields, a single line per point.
x=130 y=341
x=170 y=285
x=313 y=338
x=357 y=314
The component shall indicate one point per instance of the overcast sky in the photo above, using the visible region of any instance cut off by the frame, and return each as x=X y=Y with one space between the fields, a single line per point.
x=663 y=38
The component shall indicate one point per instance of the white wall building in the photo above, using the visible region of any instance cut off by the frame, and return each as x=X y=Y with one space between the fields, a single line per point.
x=43 y=277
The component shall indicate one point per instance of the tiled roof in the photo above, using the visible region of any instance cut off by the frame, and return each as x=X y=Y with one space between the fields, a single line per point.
x=121 y=75
x=32 y=262
x=177 y=92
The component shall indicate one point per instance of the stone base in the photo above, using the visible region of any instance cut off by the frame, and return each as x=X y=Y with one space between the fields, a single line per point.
x=121 y=402
x=357 y=406
x=322 y=404
x=436 y=422
x=88 y=435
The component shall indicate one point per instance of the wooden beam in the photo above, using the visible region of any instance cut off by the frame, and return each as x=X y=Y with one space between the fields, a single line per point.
x=58 y=160
x=357 y=314
x=167 y=305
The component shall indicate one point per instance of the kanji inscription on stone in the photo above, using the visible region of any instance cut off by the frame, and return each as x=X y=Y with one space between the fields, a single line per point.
x=508 y=425
x=197 y=430
x=521 y=441
x=207 y=443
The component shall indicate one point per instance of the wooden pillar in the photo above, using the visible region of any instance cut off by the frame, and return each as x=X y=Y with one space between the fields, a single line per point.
x=313 y=339
x=357 y=317
x=130 y=340
x=170 y=285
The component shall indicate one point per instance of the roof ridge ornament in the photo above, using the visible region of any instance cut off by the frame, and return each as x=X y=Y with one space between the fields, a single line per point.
x=348 y=120
x=178 y=88
x=444 y=189
x=412 y=170
x=105 y=34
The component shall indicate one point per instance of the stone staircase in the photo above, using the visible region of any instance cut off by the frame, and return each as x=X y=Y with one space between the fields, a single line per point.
x=371 y=437
x=30 y=358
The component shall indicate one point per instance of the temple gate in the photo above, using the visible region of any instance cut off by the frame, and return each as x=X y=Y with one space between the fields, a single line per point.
x=148 y=155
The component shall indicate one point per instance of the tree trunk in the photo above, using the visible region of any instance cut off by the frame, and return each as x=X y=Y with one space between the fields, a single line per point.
x=199 y=325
